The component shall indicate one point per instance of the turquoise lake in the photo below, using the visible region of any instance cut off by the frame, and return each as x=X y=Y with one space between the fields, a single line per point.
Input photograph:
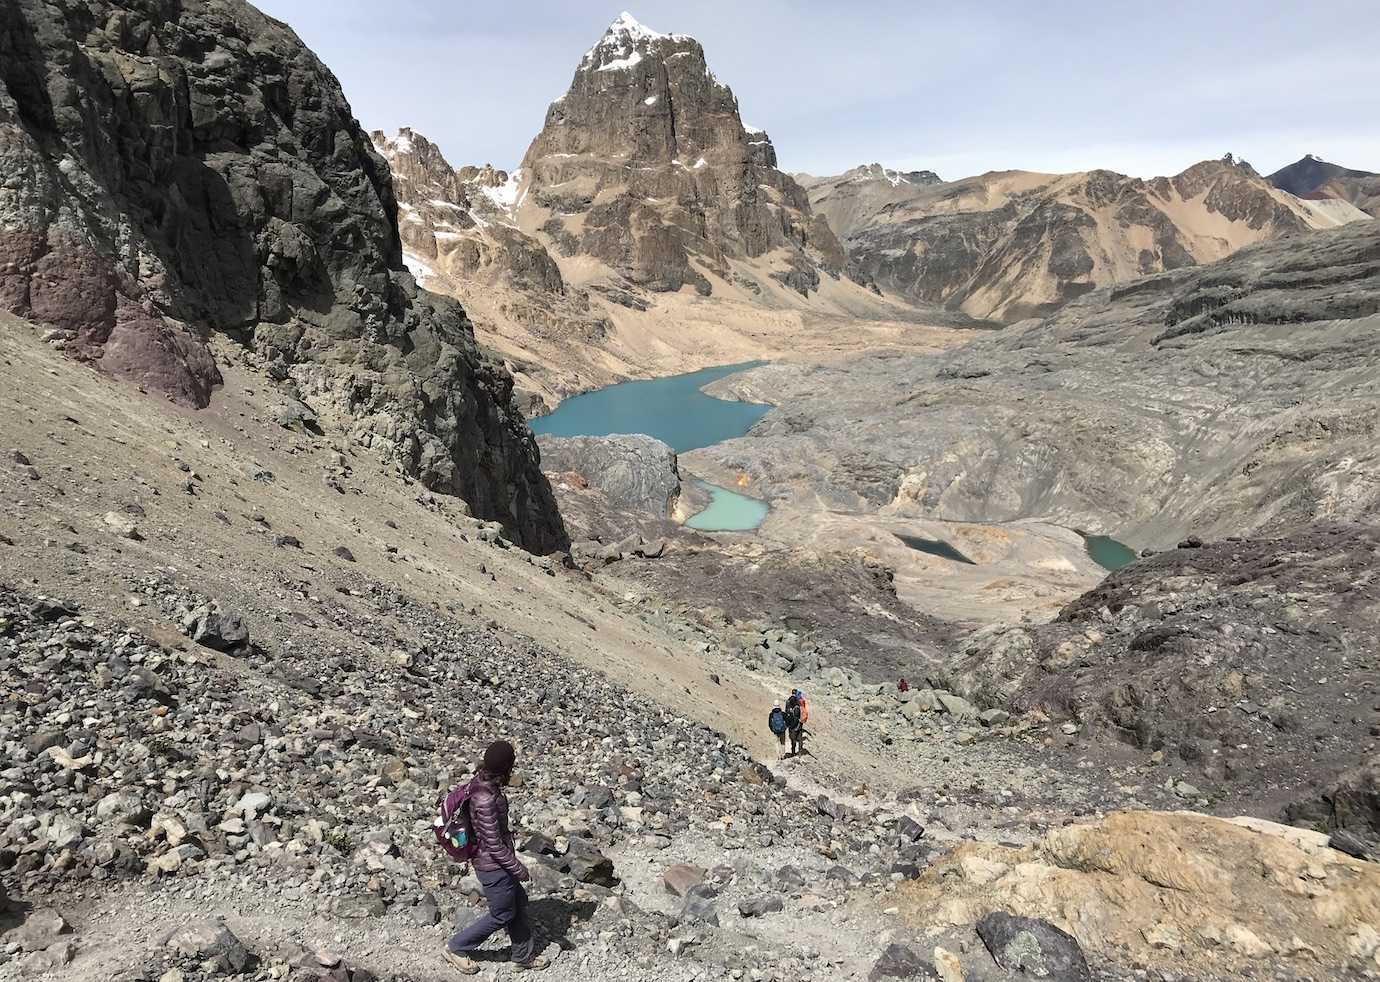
x=1108 y=552
x=676 y=412
x=673 y=410
x=728 y=511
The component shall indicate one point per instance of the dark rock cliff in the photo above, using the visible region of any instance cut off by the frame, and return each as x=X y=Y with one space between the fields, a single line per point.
x=173 y=169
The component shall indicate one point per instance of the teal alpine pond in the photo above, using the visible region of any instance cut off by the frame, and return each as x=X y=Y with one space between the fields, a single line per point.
x=728 y=511
x=1108 y=552
x=673 y=410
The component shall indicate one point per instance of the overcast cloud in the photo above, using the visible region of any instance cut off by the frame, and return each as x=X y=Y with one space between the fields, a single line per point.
x=1141 y=88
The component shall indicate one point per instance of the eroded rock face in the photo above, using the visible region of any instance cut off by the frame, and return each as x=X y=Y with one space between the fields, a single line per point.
x=174 y=171
x=1245 y=663
x=1171 y=890
x=646 y=165
x=1011 y=244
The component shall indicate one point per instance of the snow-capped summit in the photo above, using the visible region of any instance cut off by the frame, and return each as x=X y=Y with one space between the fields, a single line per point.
x=624 y=43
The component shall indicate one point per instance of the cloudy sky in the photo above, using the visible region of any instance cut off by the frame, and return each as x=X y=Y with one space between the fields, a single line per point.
x=963 y=88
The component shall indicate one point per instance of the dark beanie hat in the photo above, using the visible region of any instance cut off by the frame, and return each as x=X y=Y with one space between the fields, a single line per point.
x=498 y=759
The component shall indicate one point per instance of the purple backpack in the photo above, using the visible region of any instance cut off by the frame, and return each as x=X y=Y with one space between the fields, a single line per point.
x=452 y=825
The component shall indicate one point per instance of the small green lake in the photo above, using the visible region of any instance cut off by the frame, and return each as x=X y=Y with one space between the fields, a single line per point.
x=1108 y=552
x=728 y=511
x=673 y=410
x=676 y=412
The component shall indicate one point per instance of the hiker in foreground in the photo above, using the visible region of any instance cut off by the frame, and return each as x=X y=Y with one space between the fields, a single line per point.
x=499 y=870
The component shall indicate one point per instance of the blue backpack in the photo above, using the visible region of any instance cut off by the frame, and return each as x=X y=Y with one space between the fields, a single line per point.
x=776 y=722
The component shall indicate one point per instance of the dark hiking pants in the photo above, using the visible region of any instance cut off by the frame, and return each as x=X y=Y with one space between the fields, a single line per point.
x=507 y=911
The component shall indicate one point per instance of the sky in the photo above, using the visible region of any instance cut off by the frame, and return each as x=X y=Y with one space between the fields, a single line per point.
x=1054 y=85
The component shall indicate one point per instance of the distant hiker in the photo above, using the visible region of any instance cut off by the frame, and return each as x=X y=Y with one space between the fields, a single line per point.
x=903 y=686
x=499 y=870
x=795 y=721
x=776 y=722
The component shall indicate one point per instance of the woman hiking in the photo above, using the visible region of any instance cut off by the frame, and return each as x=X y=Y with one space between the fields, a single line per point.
x=499 y=870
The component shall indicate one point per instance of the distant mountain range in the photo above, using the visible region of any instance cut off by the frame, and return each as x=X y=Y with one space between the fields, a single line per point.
x=1012 y=244
x=647 y=221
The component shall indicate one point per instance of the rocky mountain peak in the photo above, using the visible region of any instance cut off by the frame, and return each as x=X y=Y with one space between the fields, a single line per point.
x=625 y=43
x=647 y=138
x=487 y=176
x=418 y=167
x=896 y=178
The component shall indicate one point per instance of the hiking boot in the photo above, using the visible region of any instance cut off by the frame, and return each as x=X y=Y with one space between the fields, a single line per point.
x=534 y=965
x=463 y=964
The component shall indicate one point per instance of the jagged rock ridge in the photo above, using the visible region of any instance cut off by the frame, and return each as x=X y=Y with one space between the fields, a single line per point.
x=172 y=172
x=646 y=165
x=1014 y=244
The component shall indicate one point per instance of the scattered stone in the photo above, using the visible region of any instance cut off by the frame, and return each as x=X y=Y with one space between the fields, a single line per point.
x=760 y=904
x=899 y=962
x=122 y=526
x=679 y=879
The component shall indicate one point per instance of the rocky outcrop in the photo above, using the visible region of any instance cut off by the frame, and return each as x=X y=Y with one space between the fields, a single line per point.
x=645 y=165
x=1350 y=804
x=1012 y=244
x=1247 y=663
x=173 y=172
x=634 y=472
x=1172 y=891
x=1316 y=180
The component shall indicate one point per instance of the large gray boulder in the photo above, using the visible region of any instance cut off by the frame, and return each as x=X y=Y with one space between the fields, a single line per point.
x=175 y=170
x=635 y=472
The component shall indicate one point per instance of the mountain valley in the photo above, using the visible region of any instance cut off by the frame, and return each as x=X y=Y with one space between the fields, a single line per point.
x=282 y=553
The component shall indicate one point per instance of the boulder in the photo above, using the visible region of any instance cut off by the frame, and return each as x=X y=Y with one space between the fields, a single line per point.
x=123 y=808
x=211 y=941
x=1033 y=947
x=956 y=706
x=699 y=907
x=40 y=929
x=760 y=904
x=221 y=631
x=900 y=962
